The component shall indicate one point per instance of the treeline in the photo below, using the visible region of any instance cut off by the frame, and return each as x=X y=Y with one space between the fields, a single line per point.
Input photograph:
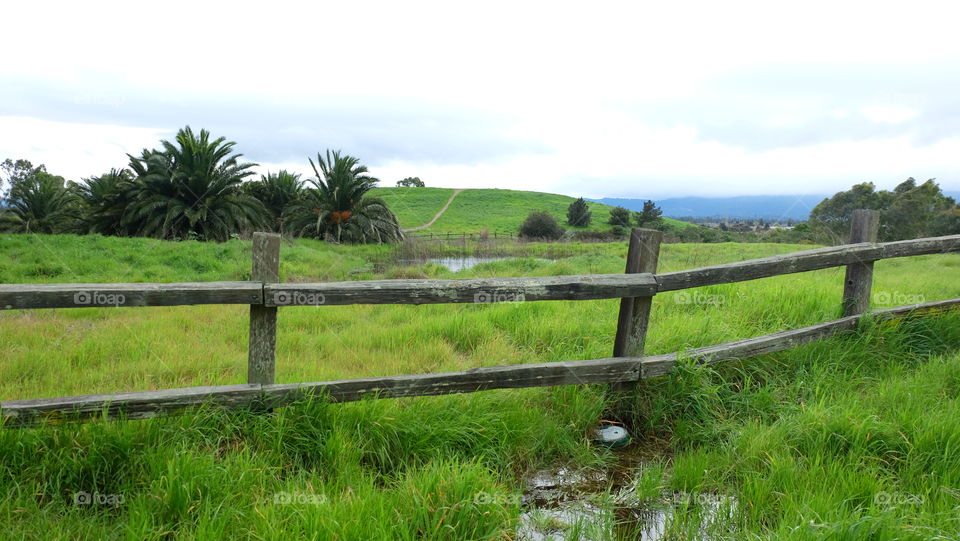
x=909 y=211
x=197 y=187
x=541 y=225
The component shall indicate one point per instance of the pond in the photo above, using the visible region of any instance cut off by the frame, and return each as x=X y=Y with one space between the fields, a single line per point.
x=455 y=264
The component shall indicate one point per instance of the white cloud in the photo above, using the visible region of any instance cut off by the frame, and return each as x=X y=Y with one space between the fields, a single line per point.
x=74 y=151
x=889 y=115
x=616 y=98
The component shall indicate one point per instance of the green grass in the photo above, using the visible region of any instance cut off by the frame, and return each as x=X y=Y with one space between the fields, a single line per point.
x=500 y=211
x=414 y=206
x=808 y=442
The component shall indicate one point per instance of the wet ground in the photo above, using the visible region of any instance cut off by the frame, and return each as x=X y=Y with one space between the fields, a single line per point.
x=608 y=504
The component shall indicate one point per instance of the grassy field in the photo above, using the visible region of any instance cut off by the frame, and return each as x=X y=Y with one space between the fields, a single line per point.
x=851 y=438
x=500 y=211
x=414 y=207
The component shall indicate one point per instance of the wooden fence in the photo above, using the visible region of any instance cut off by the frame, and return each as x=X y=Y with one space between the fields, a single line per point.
x=461 y=236
x=628 y=364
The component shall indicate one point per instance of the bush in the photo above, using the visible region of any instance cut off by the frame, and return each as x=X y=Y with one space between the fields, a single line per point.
x=578 y=214
x=619 y=216
x=651 y=216
x=540 y=225
x=945 y=223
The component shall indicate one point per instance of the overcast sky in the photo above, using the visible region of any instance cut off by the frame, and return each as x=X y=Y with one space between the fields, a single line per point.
x=632 y=99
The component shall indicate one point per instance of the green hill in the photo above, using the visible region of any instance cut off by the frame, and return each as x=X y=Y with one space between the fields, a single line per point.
x=500 y=211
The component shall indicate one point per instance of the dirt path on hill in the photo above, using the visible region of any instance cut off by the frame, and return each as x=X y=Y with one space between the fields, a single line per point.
x=438 y=215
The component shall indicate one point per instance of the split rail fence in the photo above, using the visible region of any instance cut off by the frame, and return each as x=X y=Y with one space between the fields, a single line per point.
x=462 y=236
x=636 y=289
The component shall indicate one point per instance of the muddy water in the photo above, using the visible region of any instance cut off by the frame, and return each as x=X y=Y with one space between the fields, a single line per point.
x=566 y=504
x=455 y=264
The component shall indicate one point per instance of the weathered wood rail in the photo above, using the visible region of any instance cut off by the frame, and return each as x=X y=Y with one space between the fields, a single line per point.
x=636 y=287
x=427 y=291
x=144 y=404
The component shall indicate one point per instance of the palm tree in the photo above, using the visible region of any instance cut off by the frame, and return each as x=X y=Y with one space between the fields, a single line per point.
x=106 y=200
x=336 y=208
x=277 y=192
x=193 y=189
x=40 y=203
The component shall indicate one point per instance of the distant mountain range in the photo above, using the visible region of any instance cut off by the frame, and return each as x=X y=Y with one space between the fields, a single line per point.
x=768 y=207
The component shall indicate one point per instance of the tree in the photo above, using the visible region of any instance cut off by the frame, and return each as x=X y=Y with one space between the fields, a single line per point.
x=909 y=211
x=946 y=223
x=39 y=203
x=578 y=214
x=12 y=172
x=192 y=189
x=411 y=182
x=105 y=201
x=337 y=208
x=912 y=210
x=619 y=216
x=540 y=225
x=830 y=219
x=905 y=186
x=650 y=215
x=278 y=192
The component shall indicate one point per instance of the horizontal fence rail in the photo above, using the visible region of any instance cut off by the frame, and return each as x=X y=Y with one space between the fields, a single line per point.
x=810 y=260
x=430 y=291
x=636 y=287
x=478 y=290
x=26 y=296
x=144 y=404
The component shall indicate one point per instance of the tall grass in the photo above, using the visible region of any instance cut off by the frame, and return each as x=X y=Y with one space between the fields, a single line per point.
x=851 y=438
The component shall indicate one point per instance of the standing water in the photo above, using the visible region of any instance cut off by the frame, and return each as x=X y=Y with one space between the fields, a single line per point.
x=455 y=264
x=565 y=504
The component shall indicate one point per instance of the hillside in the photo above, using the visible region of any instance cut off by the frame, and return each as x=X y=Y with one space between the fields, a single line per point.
x=500 y=211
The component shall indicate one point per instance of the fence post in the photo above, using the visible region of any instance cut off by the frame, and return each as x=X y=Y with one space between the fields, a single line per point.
x=643 y=253
x=642 y=256
x=261 y=362
x=858 y=281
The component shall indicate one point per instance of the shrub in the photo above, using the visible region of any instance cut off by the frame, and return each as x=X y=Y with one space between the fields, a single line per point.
x=578 y=214
x=650 y=216
x=619 y=216
x=540 y=225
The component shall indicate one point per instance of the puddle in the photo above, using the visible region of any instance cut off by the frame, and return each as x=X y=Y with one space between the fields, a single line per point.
x=565 y=504
x=455 y=264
